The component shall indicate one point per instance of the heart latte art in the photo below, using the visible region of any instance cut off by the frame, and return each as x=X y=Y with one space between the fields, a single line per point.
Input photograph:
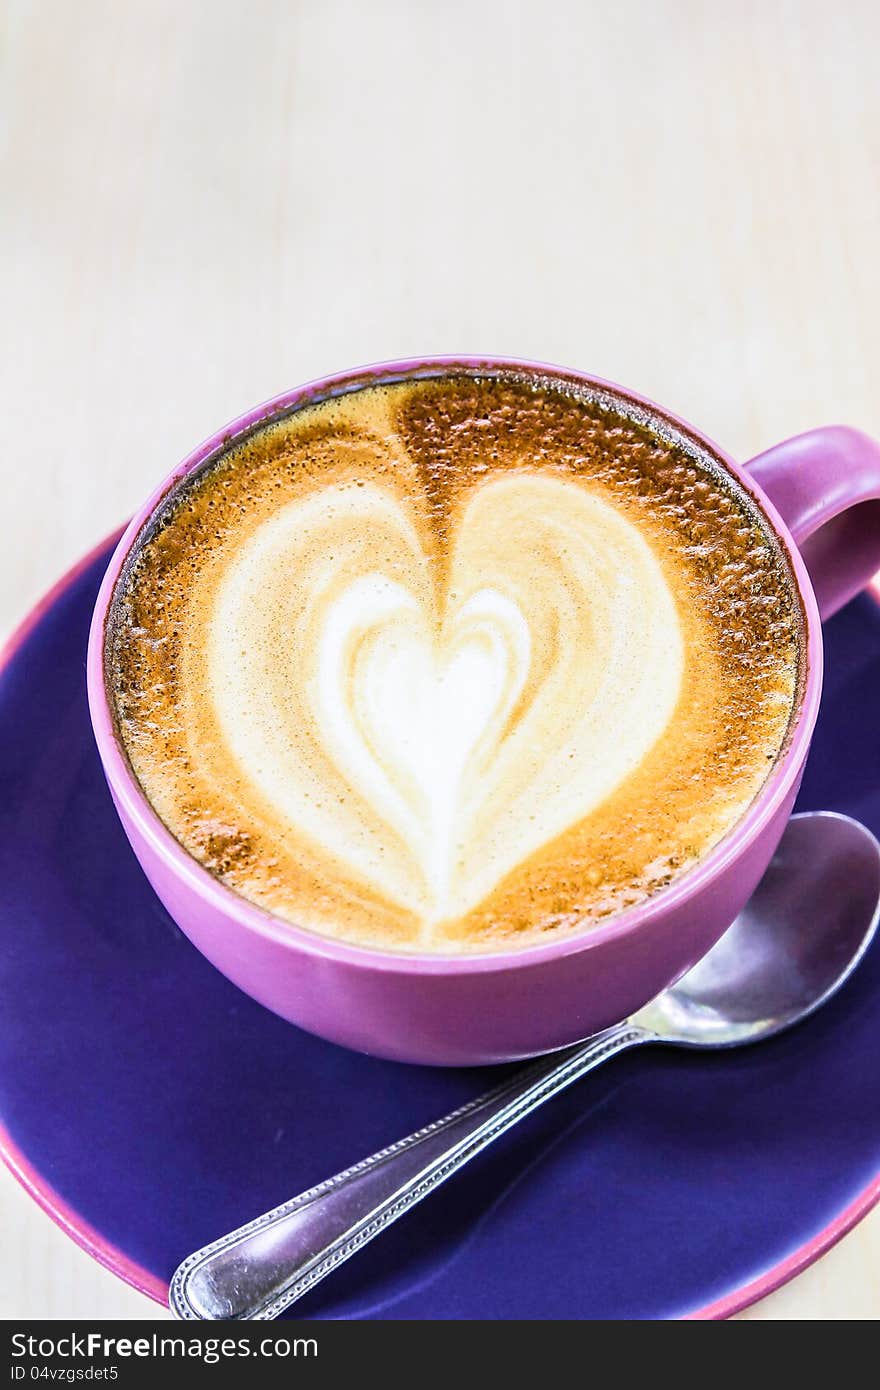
x=450 y=666
x=432 y=733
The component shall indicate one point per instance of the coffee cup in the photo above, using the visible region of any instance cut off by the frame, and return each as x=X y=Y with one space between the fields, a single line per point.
x=818 y=496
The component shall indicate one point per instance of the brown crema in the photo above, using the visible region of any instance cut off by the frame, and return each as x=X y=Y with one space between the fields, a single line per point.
x=461 y=663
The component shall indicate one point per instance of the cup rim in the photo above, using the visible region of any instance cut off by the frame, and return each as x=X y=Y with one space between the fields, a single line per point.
x=133 y=803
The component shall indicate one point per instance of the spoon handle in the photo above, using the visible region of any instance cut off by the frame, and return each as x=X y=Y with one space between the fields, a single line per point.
x=257 y=1271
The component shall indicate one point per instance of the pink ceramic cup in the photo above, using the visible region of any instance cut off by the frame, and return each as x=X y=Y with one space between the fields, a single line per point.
x=820 y=494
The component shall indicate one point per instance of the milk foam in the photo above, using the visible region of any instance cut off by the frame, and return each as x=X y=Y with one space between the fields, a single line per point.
x=429 y=727
x=457 y=664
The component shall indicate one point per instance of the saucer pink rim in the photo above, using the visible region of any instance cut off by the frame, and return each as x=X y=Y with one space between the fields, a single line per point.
x=83 y=1234
x=204 y=885
x=794 y=1264
x=72 y=1224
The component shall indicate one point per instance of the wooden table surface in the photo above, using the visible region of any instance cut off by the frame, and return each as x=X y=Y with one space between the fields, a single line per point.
x=206 y=201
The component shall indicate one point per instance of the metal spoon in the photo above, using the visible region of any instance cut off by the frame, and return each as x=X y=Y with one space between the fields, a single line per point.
x=800 y=937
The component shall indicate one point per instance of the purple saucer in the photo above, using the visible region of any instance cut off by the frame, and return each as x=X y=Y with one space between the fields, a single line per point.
x=149 y=1106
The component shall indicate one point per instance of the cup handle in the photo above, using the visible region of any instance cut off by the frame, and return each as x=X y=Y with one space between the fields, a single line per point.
x=826 y=485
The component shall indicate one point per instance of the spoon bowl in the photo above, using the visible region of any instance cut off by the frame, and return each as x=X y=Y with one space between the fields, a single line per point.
x=800 y=936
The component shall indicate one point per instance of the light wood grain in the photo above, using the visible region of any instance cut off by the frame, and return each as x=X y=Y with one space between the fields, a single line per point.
x=203 y=203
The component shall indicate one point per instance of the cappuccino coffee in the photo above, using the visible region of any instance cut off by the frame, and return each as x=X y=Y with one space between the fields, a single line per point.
x=458 y=663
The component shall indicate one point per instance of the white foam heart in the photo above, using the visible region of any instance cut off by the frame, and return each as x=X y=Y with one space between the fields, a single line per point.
x=423 y=724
